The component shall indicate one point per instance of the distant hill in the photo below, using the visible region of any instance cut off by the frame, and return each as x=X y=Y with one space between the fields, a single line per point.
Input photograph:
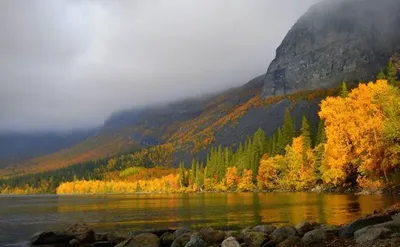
x=17 y=147
x=130 y=130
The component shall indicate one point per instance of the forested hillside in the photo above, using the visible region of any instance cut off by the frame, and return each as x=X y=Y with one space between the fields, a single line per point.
x=356 y=145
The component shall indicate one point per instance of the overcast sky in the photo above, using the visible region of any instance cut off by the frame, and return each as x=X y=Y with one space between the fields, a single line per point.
x=70 y=64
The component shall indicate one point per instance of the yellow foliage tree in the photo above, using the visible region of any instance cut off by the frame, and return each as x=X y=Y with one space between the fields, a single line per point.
x=246 y=183
x=354 y=130
x=299 y=169
x=268 y=171
x=232 y=177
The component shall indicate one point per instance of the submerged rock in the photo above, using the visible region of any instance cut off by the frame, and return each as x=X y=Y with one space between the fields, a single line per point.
x=141 y=240
x=43 y=238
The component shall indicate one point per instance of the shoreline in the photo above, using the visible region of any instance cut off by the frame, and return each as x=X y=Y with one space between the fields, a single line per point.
x=380 y=228
x=314 y=190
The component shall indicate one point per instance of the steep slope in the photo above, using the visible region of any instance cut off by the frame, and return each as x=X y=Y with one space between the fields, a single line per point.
x=334 y=41
x=131 y=130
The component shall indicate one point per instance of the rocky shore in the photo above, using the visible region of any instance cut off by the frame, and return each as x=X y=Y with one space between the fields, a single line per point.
x=382 y=228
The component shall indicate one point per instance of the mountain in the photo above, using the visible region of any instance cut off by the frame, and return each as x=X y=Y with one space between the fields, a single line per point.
x=335 y=41
x=17 y=147
x=131 y=130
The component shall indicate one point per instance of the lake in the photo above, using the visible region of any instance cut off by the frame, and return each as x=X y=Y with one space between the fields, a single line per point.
x=21 y=216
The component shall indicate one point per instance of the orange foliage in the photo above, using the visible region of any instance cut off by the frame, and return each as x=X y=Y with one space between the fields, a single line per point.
x=246 y=182
x=232 y=177
x=354 y=130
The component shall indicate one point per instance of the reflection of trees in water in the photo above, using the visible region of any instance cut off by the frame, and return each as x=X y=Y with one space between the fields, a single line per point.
x=257 y=206
x=214 y=209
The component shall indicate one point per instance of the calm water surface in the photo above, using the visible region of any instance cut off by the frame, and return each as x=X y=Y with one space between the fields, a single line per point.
x=20 y=217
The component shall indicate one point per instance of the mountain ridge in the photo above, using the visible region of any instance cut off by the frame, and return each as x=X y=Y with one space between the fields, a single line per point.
x=335 y=41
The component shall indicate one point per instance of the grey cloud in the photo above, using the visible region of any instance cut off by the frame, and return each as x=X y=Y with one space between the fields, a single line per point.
x=70 y=64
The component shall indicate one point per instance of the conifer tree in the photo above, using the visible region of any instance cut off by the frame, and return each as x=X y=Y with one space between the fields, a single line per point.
x=182 y=176
x=280 y=142
x=199 y=175
x=381 y=75
x=392 y=73
x=344 y=92
x=193 y=173
x=288 y=130
x=274 y=144
x=321 y=136
x=319 y=159
x=305 y=133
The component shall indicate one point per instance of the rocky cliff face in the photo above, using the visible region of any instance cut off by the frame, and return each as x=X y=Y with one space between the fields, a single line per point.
x=335 y=40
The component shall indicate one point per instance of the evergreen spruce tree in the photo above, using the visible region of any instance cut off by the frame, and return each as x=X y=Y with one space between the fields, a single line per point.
x=288 y=130
x=392 y=73
x=220 y=164
x=199 y=175
x=305 y=133
x=344 y=92
x=274 y=148
x=259 y=148
x=280 y=142
x=381 y=75
x=182 y=176
x=193 y=173
x=321 y=136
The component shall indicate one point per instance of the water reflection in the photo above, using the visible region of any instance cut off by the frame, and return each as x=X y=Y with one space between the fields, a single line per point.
x=219 y=209
x=130 y=212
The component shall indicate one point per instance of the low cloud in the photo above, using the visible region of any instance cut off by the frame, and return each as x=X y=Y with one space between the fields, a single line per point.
x=70 y=64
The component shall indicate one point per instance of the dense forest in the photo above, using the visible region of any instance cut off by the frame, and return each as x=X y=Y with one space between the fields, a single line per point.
x=356 y=144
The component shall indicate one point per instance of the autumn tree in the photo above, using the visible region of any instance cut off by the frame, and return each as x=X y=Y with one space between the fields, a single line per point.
x=246 y=181
x=268 y=172
x=232 y=178
x=354 y=130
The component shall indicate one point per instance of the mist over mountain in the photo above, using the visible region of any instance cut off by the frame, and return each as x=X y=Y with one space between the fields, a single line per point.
x=71 y=64
x=335 y=41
